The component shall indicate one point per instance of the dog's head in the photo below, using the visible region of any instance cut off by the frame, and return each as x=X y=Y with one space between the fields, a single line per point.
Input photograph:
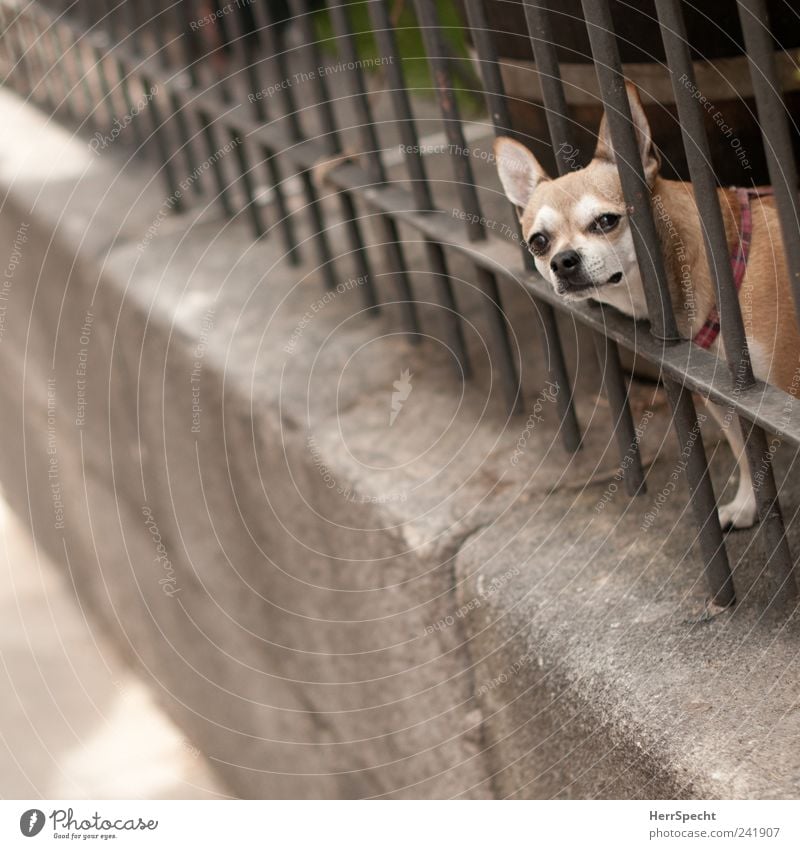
x=577 y=226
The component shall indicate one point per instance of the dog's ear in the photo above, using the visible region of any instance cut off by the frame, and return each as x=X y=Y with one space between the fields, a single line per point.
x=647 y=150
x=519 y=170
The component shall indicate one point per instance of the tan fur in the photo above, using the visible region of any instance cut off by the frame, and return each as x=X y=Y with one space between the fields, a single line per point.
x=765 y=298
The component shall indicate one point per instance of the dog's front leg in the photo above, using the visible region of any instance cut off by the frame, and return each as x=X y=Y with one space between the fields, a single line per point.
x=741 y=512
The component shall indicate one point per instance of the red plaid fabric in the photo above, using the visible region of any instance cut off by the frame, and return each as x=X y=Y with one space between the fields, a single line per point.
x=706 y=335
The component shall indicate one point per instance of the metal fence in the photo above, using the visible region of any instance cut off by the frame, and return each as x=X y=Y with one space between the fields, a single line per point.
x=199 y=68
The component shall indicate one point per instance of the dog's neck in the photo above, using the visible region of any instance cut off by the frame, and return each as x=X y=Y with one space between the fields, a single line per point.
x=680 y=235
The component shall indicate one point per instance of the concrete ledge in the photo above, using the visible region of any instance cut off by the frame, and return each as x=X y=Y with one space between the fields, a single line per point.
x=596 y=675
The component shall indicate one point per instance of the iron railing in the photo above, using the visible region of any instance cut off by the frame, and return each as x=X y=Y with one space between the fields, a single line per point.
x=93 y=61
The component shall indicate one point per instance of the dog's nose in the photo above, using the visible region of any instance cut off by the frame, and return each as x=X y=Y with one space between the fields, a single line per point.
x=565 y=263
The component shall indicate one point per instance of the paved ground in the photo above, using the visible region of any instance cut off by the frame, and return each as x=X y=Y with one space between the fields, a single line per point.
x=74 y=722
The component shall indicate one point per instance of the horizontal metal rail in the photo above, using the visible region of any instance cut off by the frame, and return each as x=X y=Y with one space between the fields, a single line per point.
x=761 y=403
x=188 y=120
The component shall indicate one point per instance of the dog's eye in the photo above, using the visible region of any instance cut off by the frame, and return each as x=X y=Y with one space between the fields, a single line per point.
x=539 y=243
x=604 y=223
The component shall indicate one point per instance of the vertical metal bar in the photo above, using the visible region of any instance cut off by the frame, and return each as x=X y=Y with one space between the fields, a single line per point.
x=62 y=68
x=453 y=327
x=448 y=106
x=659 y=305
x=112 y=9
x=454 y=330
x=698 y=155
x=178 y=123
x=80 y=51
x=80 y=100
x=608 y=67
x=11 y=42
x=176 y=126
x=101 y=56
x=176 y=15
x=33 y=25
x=331 y=138
x=557 y=111
x=551 y=338
x=181 y=14
x=7 y=51
x=35 y=68
x=704 y=186
x=219 y=60
x=617 y=395
x=65 y=46
x=404 y=120
x=184 y=12
x=342 y=27
x=107 y=31
x=213 y=153
x=94 y=36
x=773 y=122
x=285 y=220
x=203 y=70
x=25 y=56
x=701 y=493
x=39 y=71
x=451 y=117
x=319 y=231
x=324 y=105
x=134 y=26
x=93 y=81
x=171 y=27
x=277 y=71
x=779 y=557
x=48 y=58
x=151 y=31
x=277 y=66
x=164 y=150
x=118 y=82
x=136 y=17
x=139 y=138
x=186 y=138
x=243 y=56
x=253 y=208
x=374 y=165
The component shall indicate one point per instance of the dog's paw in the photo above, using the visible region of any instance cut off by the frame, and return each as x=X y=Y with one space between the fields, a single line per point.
x=739 y=513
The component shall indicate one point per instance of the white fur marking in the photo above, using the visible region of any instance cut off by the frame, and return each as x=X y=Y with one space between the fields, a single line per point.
x=760 y=359
x=547 y=220
x=587 y=209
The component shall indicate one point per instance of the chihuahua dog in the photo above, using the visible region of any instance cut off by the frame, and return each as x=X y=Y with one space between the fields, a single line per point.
x=577 y=228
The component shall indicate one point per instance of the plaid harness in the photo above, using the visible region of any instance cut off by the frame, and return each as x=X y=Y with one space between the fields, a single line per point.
x=706 y=335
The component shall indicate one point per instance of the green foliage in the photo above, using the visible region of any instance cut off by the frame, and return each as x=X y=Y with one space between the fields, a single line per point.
x=410 y=47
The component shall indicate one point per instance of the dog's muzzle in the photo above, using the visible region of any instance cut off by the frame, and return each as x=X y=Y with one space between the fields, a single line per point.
x=570 y=273
x=566 y=264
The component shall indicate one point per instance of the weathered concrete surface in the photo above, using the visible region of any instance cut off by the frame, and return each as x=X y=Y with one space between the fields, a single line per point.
x=595 y=674
x=295 y=622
